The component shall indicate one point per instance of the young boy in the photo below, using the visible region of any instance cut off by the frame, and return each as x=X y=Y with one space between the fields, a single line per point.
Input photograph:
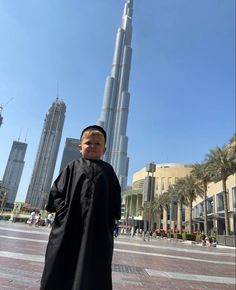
x=86 y=197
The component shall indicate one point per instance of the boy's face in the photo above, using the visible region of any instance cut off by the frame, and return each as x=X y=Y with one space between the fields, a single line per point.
x=92 y=146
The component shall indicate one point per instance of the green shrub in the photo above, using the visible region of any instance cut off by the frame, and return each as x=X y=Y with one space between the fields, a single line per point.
x=6 y=217
x=179 y=236
x=191 y=237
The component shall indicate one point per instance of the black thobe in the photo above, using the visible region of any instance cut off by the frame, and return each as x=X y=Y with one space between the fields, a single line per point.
x=86 y=197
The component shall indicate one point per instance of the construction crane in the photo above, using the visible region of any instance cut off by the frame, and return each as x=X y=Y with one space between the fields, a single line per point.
x=1 y=108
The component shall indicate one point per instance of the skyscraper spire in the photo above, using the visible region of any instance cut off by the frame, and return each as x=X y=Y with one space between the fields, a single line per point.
x=114 y=115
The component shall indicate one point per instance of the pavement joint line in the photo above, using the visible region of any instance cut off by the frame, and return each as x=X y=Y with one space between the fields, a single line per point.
x=26 y=231
x=126 y=283
x=174 y=257
x=23 y=239
x=40 y=258
x=139 y=245
x=46 y=231
x=151 y=273
x=128 y=269
x=19 y=279
x=176 y=249
x=20 y=256
x=191 y=277
x=10 y=271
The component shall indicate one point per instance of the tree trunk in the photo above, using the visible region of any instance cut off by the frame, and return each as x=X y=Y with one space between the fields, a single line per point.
x=205 y=210
x=172 y=223
x=179 y=216
x=165 y=218
x=225 y=200
x=190 y=213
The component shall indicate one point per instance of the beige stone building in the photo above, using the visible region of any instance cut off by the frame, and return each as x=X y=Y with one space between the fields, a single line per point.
x=215 y=207
x=135 y=213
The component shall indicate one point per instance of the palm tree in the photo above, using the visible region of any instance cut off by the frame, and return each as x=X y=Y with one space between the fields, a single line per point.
x=222 y=164
x=232 y=147
x=200 y=171
x=162 y=202
x=156 y=210
x=191 y=189
x=232 y=140
x=172 y=194
x=178 y=187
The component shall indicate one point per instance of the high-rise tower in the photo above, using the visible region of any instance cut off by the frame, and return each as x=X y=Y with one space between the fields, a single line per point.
x=45 y=162
x=114 y=115
x=71 y=151
x=13 y=172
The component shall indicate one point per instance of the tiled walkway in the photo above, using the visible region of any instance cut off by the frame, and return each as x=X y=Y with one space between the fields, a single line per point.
x=155 y=264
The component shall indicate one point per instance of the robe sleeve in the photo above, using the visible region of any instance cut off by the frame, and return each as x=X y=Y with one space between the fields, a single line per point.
x=116 y=198
x=58 y=191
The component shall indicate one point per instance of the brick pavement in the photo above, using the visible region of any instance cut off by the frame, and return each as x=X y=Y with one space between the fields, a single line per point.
x=157 y=264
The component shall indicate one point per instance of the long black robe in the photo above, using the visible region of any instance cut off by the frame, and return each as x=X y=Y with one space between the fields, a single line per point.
x=86 y=197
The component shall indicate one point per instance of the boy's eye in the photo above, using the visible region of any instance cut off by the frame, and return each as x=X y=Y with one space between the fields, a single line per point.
x=90 y=143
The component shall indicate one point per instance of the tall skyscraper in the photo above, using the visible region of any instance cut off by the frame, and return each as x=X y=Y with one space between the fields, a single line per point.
x=13 y=172
x=114 y=115
x=45 y=161
x=71 y=152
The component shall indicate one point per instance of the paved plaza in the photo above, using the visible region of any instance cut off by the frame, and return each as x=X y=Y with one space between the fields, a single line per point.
x=137 y=264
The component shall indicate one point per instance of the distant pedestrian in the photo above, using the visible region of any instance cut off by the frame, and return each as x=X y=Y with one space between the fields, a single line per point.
x=203 y=239
x=31 y=219
x=132 y=232
x=49 y=220
x=214 y=242
x=86 y=197
x=38 y=220
x=207 y=241
x=146 y=236
x=116 y=231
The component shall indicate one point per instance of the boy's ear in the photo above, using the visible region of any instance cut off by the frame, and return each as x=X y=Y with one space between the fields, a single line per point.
x=80 y=147
x=104 y=150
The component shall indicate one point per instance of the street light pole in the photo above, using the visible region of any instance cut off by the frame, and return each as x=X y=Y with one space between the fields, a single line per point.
x=149 y=195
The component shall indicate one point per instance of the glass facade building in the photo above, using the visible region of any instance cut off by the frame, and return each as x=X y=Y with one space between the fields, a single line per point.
x=45 y=161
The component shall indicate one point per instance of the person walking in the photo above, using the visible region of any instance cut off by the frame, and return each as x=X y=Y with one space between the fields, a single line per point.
x=32 y=217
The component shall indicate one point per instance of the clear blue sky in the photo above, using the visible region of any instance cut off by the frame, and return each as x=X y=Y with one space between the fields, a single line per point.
x=182 y=80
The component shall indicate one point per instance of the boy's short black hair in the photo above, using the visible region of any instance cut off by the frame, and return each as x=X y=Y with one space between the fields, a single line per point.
x=95 y=127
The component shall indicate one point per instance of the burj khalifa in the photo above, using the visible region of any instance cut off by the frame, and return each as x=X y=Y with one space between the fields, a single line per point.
x=115 y=108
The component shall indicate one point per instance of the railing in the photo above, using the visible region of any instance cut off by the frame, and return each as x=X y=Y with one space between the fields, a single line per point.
x=227 y=240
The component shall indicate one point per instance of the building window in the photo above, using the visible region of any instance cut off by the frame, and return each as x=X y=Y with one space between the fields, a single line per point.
x=156 y=183
x=210 y=205
x=197 y=210
x=201 y=213
x=219 y=202
x=194 y=212
x=169 y=182
x=163 y=183
x=234 y=197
